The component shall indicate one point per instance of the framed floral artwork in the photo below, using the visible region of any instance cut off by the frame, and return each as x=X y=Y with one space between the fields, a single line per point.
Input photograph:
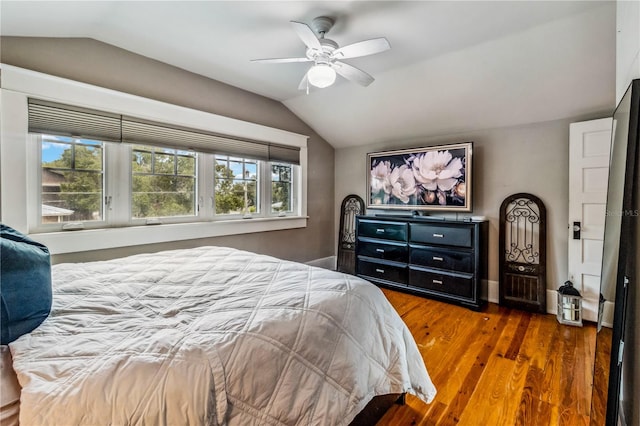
x=430 y=178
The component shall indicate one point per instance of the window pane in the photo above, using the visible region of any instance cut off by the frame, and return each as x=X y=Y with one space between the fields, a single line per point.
x=281 y=197
x=164 y=163
x=186 y=165
x=88 y=157
x=57 y=155
x=236 y=168
x=236 y=186
x=71 y=180
x=141 y=162
x=281 y=194
x=251 y=170
x=163 y=196
x=163 y=183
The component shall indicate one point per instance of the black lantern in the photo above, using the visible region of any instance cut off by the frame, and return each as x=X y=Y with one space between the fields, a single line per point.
x=569 y=305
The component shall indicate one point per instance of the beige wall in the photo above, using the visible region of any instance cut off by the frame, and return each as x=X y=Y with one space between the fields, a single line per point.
x=104 y=65
x=533 y=158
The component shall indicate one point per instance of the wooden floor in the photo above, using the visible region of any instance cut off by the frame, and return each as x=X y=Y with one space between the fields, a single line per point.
x=496 y=367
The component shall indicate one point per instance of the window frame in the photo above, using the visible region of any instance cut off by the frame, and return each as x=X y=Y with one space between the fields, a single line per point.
x=40 y=226
x=294 y=190
x=260 y=195
x=161 y=219
x=17 y=162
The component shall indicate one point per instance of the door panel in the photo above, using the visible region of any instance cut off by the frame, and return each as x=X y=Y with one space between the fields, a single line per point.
x=589 y=146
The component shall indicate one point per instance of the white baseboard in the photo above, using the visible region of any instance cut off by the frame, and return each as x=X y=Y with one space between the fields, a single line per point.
x=490 y=291
x=325 y=262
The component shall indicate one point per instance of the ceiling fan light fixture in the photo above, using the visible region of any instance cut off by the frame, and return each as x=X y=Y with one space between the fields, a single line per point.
x=321 y=75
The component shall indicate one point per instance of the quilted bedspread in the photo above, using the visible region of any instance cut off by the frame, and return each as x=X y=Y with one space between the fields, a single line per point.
x=212 y=335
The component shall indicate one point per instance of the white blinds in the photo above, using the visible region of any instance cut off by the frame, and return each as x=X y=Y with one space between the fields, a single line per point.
x=67 y=120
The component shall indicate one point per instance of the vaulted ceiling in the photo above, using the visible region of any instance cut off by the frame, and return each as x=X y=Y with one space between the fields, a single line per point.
x=453 y=65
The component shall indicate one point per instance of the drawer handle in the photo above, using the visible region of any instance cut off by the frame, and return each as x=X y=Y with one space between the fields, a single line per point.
x=380 y=230
x=437 y=282
x=380 y=250
x=439 y=259
x=438 y=235
x=380 y=271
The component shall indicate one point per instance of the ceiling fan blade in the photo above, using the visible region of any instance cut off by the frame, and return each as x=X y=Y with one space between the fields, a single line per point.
x=307 y=35
x=304 y=83
x=352 y=73
x=280 y=60
x=362 y=48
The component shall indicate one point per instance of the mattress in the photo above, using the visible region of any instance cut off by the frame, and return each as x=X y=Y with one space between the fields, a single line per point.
x=212 y=335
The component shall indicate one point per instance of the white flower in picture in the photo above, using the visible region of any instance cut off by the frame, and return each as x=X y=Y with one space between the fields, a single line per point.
x=437 y=170
x=403 y=183
x=380 y=178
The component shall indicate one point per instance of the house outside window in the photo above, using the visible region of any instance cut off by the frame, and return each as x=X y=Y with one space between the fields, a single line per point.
x=72 y=180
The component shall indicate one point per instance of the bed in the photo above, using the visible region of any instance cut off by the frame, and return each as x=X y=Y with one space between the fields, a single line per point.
x=212 y=335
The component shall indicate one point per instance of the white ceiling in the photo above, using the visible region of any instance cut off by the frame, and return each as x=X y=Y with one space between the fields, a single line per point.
x=453 y=66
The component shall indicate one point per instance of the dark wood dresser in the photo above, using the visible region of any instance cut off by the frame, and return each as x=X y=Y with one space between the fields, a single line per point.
x=442 y=259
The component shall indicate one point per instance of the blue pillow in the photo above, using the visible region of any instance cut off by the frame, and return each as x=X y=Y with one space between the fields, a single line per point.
x=25 y=284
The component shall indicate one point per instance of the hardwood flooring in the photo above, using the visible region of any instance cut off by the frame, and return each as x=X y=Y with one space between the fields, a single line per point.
x=497 y=367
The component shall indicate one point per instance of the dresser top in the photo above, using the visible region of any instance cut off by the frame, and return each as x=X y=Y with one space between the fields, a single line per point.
x=418 y=218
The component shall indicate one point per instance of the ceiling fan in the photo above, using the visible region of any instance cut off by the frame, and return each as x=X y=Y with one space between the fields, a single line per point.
x=326 y=55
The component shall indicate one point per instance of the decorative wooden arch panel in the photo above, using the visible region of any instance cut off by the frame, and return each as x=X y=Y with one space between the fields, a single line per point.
x=522 y=246
x=352 y=205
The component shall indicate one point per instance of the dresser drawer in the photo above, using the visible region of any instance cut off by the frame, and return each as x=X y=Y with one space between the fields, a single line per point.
x=459 y=285
x=388 y=251
x=458 y=236
x=383 y=271
x=387 y=230
x=433 y=257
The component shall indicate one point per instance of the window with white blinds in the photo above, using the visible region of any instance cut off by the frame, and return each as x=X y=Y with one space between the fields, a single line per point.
x=66 y=120
x=168 y=170
x=77 y=156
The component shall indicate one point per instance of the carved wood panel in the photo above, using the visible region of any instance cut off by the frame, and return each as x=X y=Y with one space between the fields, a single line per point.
x=522 y=247
x=352 y=205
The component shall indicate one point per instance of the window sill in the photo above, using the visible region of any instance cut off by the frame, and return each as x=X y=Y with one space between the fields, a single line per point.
x=106 y=238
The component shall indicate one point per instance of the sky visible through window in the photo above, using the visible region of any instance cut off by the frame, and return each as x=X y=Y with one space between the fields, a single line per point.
x=52 y=151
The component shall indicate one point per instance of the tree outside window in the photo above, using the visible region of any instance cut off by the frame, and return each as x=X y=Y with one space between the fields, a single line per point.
x=163 y=182
x=236 y=185
x=72 y=179
x=281 y=191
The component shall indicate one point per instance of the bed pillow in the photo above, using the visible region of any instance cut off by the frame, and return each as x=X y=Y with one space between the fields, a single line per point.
x=25 y=293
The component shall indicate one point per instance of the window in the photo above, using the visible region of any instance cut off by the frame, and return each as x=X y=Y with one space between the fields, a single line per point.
x=39 y=108
x=236 y=186
x=72 y=180
x=281 y=188
x=80 y=176
x=163 y=182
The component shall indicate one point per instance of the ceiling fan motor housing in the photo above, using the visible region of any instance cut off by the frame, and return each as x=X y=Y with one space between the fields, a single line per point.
x=328 y=46
x=322 y=24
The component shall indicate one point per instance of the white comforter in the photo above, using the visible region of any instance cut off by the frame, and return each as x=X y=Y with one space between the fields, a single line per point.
x=212 y=335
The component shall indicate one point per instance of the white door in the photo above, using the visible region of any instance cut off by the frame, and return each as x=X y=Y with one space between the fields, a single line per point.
x=589 y=146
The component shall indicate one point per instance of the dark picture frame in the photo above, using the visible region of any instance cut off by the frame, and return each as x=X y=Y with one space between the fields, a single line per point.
x=434 y=178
